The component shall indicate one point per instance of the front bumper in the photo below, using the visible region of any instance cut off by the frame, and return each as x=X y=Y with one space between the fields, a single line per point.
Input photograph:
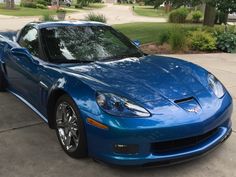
x=173 y=157
x=145 y=133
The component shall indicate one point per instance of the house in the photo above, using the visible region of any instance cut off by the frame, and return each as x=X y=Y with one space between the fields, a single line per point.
x=232 y=17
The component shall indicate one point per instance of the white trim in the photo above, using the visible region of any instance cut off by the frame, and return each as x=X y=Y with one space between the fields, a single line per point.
x=30 y=106
x=43 y=84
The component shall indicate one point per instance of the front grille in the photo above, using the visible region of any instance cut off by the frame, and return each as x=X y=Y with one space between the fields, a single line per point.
x=169 y=146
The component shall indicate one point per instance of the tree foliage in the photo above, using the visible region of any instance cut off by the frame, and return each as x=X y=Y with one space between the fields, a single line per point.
x=226 y=6
x=212 y=6
x=175 y=3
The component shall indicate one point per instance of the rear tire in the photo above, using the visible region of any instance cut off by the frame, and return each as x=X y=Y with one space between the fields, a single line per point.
x=70 y=128
x=2 y=82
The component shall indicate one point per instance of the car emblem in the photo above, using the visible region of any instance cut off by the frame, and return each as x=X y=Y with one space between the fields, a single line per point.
x=195 y=110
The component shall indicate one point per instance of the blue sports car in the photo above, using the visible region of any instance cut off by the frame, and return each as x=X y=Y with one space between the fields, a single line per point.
x=107 y=99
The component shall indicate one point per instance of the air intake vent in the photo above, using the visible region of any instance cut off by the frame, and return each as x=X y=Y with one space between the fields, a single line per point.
x=184 y=100
x=189 y=104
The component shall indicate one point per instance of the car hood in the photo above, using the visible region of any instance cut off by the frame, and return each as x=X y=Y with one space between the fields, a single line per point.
x=143 y=79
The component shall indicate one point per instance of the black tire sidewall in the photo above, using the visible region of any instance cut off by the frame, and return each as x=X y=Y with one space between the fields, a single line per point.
x=81 y=150
x=2 y=81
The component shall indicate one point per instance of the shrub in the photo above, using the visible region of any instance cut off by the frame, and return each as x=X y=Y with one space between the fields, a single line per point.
x=226 y=42
x=43 y=2
x=177 y=39
x=203 y=41
x=215 y=31
x=196 y=16
x=47 y=17
x=41 y=6
x=78 y=6
x=164 y=37
x=178 y=15
x=61 y=11
x=29 y=4
x=96 y=17
x=82 y=3
x=61 y=14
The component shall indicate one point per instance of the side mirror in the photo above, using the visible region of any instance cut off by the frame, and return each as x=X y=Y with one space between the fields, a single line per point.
x=21 y=52
x=137 y=42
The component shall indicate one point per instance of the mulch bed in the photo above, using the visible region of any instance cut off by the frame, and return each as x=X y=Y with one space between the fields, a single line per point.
x=153 y=48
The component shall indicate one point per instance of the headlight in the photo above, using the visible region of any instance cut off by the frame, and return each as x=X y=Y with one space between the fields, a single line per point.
x=120 y=106
x=216 y=86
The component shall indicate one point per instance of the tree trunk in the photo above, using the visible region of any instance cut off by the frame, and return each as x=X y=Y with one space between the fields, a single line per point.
x=210 y=15
x=8 y=4
x=225 y=18
x=12 y=4
x=58 y=4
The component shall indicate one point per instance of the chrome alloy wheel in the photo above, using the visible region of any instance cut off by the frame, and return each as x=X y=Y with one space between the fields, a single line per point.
x=67 y=127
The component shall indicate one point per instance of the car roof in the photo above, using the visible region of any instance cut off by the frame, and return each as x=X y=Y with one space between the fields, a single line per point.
x=49 y=24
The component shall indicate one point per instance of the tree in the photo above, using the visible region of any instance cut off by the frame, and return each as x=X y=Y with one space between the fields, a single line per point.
x=10 y=4
x=212 y=6
x=225 y=8
x=210 y=14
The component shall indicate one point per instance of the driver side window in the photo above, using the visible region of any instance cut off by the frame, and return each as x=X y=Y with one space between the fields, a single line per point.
x=29 y=39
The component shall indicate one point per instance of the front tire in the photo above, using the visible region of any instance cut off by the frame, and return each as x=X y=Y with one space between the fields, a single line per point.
x=2 y=82
x=70 y=128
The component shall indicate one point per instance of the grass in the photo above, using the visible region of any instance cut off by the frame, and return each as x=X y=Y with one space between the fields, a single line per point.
x=95 y=6
x=149 y=32
x=89 y=7
x=149 y=11
x=24 y=11
x=124 y=4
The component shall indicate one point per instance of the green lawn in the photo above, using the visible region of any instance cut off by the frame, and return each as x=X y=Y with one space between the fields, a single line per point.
x=95 y=6
x=124 y=4
x=149 y=11
x=89 y=7
x=23 y=11
x=149 y=32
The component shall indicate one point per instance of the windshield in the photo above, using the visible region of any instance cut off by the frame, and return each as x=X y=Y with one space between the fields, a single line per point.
x=86 y=44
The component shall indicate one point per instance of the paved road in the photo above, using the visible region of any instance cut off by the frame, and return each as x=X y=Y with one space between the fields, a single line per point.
x=14 y=23
x=115 y=14
x=28 y=148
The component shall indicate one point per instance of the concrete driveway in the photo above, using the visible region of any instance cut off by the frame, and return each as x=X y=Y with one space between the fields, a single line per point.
x=117 y=14
x=28 y=148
